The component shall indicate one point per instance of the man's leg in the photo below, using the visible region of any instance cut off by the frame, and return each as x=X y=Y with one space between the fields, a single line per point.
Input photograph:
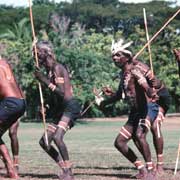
x=51 y=151
x=14 y=144
x=66 y=165
x=141 y=133
x=142 y=130
x=121 y=144
x=158 y=141
x=11 y=173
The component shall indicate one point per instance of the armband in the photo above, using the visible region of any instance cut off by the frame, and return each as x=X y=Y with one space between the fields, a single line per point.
x=142 y=80
x=59 y=80
x=52 y=86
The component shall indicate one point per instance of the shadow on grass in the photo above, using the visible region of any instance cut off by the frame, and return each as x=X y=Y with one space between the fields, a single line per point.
x=124 y=176
x=106 y=168
x=118 y=175
x=53 y=176
x=39 y=176
x=89 y=174
x=119 y=168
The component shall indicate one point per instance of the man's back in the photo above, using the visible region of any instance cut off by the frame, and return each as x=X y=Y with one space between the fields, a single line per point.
x=8 y=85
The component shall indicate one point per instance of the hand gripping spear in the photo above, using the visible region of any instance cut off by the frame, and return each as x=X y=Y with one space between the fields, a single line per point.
x=37 y=64
x=150 y=57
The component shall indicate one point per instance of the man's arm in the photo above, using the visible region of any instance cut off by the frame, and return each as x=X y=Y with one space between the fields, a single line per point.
x=113 y=97
x=142 y=81
x=153 y=80
x=43 y=79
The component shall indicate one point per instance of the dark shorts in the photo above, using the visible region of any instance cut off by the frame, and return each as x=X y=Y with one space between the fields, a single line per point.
x=164 y=99
x=72 y=110
x=135 y=116
x=10 y=110
x=153 y=109
x=164 y=102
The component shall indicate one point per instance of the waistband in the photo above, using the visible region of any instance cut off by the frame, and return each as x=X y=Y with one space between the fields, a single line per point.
x=13 y=98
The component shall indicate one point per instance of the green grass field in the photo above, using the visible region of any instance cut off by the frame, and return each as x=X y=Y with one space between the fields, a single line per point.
x=91 y=151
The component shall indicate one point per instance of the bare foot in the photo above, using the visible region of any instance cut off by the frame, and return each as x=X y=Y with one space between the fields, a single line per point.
x=66 y=175
x=16 y=168
x=142 y=173
x=12 y=175
x=69 y=177
x=160 y=169
x=150 y=176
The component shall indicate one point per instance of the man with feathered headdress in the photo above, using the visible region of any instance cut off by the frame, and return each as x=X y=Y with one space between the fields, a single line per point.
x=148 y=100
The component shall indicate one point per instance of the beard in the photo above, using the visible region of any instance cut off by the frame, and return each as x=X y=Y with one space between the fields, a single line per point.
x=119 y=65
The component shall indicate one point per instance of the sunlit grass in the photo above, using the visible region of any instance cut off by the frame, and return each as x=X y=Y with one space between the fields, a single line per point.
x=91 y=150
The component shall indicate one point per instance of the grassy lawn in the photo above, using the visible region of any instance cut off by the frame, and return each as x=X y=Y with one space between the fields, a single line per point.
x=91 y=151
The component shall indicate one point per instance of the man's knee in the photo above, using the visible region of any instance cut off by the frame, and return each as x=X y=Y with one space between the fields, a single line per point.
x=158 y=121
x=122 y=139
x=143 y=127
x=13 y=133
x=60 y=131
x=58 y=136
x=50 y=133
x=43 y=144
x=120 y=142
x=155 y=127
x=141 y=135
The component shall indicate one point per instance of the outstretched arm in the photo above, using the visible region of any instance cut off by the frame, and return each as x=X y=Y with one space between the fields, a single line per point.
x=112 y=96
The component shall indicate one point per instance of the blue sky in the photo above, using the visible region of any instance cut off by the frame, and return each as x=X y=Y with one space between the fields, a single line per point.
x=25 y=2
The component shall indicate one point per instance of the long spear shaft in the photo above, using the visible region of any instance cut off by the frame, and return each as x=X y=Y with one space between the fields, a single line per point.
x=37 y=64
x=177 y=159
x=91 y=103
x=147 y=37
x=150 y=58
x=156 y=34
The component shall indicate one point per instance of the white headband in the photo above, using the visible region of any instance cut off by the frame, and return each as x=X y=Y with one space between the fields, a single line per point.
x=119 y=47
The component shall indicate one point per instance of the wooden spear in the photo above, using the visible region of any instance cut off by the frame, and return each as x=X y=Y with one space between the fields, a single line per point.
x=147 y=38
x=150 y=57
x=177 y=159
x=37 y=64
x=156 y=34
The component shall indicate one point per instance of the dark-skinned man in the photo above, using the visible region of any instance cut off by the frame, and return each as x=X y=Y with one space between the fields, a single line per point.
x=58 y=81
x=12 y=106
x=148 y=100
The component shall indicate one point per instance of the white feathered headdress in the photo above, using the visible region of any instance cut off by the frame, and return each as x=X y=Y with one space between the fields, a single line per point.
x=119 y=47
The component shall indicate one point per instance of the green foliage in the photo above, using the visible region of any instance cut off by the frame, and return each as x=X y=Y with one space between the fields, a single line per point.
x=81 y=33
